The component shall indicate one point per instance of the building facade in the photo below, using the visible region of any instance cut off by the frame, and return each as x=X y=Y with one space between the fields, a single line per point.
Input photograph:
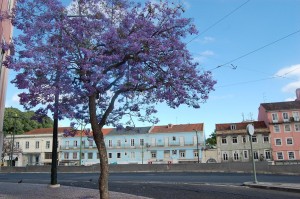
x=283 y=120
x=233 y=142
x=165 y=144
x=34 y=147
x=5 y=36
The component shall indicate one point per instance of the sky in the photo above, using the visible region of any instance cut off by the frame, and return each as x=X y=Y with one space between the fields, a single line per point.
x=252 y=48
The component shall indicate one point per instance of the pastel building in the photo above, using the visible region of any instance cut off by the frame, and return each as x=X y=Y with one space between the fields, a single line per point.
x=176 y=143
x=79 y=149
x=233 y=142
x=34 y=147
x=283 y=120
x=6 y=30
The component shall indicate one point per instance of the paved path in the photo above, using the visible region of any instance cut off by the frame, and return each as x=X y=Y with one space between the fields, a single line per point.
x=37 y=191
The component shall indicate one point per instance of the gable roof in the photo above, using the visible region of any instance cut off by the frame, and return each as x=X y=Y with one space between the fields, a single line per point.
x=46 y=131
x=170 y=128
x=240 y=126
x=130 y=131
x=281 y=105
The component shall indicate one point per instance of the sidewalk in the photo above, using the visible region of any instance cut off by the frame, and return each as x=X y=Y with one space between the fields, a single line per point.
x=291 y=187
x=37 y=191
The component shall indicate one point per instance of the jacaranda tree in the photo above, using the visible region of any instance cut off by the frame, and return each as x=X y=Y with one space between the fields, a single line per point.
x=109 y=60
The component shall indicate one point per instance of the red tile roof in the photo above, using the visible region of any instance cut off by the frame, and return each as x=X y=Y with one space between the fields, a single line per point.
x=104 y=131
x=46 y=131
x=170 y=128
x=61 y=130
x=240 y=126
x=281 y=105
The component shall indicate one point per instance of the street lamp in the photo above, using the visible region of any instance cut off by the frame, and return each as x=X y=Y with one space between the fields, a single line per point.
x=197 y=144
x=250 y=131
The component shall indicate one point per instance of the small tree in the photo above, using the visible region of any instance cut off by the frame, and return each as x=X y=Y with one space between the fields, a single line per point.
x=110 y=60
x=212 y=140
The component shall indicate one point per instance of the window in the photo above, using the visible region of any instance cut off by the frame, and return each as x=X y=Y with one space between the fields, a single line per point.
x=236 y=155
x=109 y=155
x=244 y=139
x=279 y=156
x=98 y=156
x=91 y=143
x=174 y=138
x=67 y=143
x=278 y=142
x=90 y=156
x=285 y=117
x=37 y=144
x=182 y=154
x=196 y=154
x=48 y=156
x=224 y=141
x=291 y=155
x=119 y=143
x=296 y=116
x=287 y=128
x=132 y=155
x=66 y=155
x=17 y=145
x=245 y=154
x=289 y=141
x=225 y=156
x=132 y=142
x=232 y=126
x=74 y=155
x=268 y=154
x=276 y=128
x=274 y=117
x=82 y=156
x=297 y=127
x=255 y=155
x=174 y=152
x=153 y=154
x=75 y=143
x=27 y=145
x=47 y=144
x=141 y=142
x=254 y=139
x=118 y=155
x=266 y=139
x=83 y=143
x=234 y=139
x=109 y=143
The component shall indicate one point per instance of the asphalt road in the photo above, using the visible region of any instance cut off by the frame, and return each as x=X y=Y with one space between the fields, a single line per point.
x=169 y=185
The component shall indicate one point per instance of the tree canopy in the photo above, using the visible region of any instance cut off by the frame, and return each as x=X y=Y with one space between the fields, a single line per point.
x=23 y=121
x=108 y=60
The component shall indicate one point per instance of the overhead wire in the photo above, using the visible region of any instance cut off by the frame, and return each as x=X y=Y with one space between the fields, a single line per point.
x=217 y=22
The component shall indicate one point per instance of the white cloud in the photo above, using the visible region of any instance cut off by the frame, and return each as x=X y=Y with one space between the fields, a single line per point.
x=15 y=98
x=205 y=40
x=290 y=99
x=293 y=73
x=203 y=56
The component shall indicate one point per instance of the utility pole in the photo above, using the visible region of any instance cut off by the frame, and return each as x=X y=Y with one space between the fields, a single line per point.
x=197 y=145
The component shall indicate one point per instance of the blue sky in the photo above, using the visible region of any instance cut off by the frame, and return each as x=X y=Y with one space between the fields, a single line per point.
x=269 y=73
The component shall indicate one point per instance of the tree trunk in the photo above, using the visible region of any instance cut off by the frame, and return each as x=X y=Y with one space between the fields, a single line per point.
x=99 y=140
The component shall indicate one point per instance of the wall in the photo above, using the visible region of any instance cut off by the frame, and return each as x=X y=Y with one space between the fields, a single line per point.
x=233 y=167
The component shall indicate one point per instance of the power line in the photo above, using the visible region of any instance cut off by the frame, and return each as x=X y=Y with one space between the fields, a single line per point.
x=260 y=48
x=214 y=24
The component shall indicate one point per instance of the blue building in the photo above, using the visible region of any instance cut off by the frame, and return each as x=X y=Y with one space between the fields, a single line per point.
x=165 y=144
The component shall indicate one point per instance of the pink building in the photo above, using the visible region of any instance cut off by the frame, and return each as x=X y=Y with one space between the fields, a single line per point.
x=282 y=118
x=5 y=37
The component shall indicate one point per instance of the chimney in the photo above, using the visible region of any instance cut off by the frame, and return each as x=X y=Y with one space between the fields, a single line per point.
x=298 y=94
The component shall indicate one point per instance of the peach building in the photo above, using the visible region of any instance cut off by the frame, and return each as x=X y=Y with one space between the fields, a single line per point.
x=5 y=36
x=282 y=118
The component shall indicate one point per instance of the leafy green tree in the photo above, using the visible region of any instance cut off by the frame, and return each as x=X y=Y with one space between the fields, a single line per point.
x=24 y=121
x=212 y=140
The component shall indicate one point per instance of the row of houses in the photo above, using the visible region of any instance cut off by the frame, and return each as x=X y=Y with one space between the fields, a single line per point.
x=276 y=139
x=141 y=145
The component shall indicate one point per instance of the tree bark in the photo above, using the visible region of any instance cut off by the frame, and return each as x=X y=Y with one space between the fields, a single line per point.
x=99 y=140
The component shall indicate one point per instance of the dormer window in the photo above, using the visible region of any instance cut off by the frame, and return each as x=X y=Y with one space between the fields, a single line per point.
x=232 y=127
